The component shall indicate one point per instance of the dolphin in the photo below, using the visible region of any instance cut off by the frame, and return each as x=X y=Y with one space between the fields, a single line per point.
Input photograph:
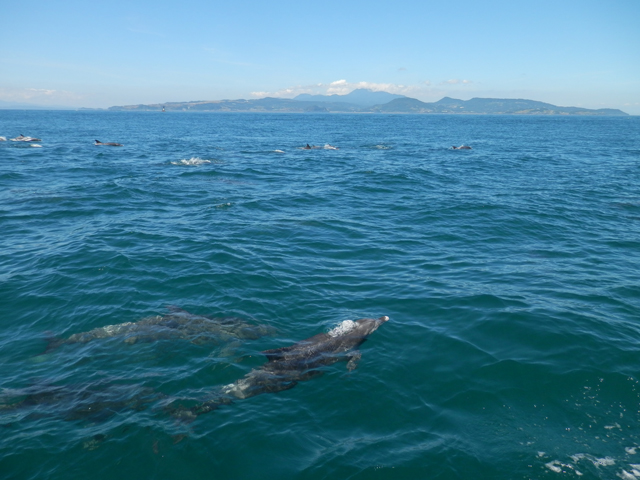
x=179 y=324
x=110 y=144
x=96 y=401
x=22 y=138
x=287 y=366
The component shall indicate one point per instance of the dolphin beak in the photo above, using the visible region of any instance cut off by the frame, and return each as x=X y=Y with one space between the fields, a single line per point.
x=384 y=319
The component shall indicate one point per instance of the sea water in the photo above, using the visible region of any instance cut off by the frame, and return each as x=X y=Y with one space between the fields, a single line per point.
x=510 y=273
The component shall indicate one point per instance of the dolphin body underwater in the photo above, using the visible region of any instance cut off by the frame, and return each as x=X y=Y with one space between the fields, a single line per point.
x=289 y=365
x=97 y=401
x=179 y=324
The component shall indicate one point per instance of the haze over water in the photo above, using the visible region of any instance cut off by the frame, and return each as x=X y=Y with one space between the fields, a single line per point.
x=509 y=273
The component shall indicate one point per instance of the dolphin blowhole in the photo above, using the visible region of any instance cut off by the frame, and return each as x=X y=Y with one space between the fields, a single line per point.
x=343 y=327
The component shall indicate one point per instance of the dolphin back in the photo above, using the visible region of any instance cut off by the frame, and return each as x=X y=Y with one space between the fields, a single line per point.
x=282 y=353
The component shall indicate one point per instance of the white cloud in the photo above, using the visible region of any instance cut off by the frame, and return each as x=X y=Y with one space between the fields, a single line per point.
x=42 y=96
x=341 y=87
x=455 y=81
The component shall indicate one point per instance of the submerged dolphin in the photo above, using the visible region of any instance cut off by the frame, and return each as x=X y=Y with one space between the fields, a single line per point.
x=179 y=324
x=289 y=365
x=109 y=144
x=97 y=401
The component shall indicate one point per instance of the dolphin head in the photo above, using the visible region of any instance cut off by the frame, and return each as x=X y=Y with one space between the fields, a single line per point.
x=360 y=328
x=366 y=326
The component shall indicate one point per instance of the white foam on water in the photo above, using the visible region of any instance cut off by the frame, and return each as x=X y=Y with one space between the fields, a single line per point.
x=278 y=151
x=553 y=466
x=626 y=471
x=382 y=147
x=559 y=467
x=193 y=161
x=626 y=475
x=344 y=327
x=35 y=145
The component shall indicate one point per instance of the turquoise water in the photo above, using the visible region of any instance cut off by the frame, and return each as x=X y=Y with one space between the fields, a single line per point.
x=510 y=273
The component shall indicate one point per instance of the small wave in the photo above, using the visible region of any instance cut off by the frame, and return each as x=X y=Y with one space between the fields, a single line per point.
x=278 y=151
x=382 y=147
x=191 y=162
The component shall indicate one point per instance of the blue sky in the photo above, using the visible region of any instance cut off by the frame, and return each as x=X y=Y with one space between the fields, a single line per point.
x=98 y=54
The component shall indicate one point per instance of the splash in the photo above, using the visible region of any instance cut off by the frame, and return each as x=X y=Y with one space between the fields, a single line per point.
x=344 y=327
x=582 y=463
x=193 y=161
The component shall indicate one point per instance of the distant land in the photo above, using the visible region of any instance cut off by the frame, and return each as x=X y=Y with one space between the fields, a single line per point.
x=367 y=101
x=361 y=96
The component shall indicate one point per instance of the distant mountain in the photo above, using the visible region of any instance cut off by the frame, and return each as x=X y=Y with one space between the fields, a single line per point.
x=398 y=104
x=404 y=105
x=361 y=96
x=487 y=106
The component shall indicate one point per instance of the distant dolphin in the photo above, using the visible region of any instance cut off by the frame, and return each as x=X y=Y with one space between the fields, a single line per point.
x=3 y=139
x=22 y=138
x=289 y=365
x=110 y=144
x=461 y=147
x=179 y=324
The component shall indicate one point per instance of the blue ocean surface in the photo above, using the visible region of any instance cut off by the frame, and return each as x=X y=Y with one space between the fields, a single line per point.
x=510 y=273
